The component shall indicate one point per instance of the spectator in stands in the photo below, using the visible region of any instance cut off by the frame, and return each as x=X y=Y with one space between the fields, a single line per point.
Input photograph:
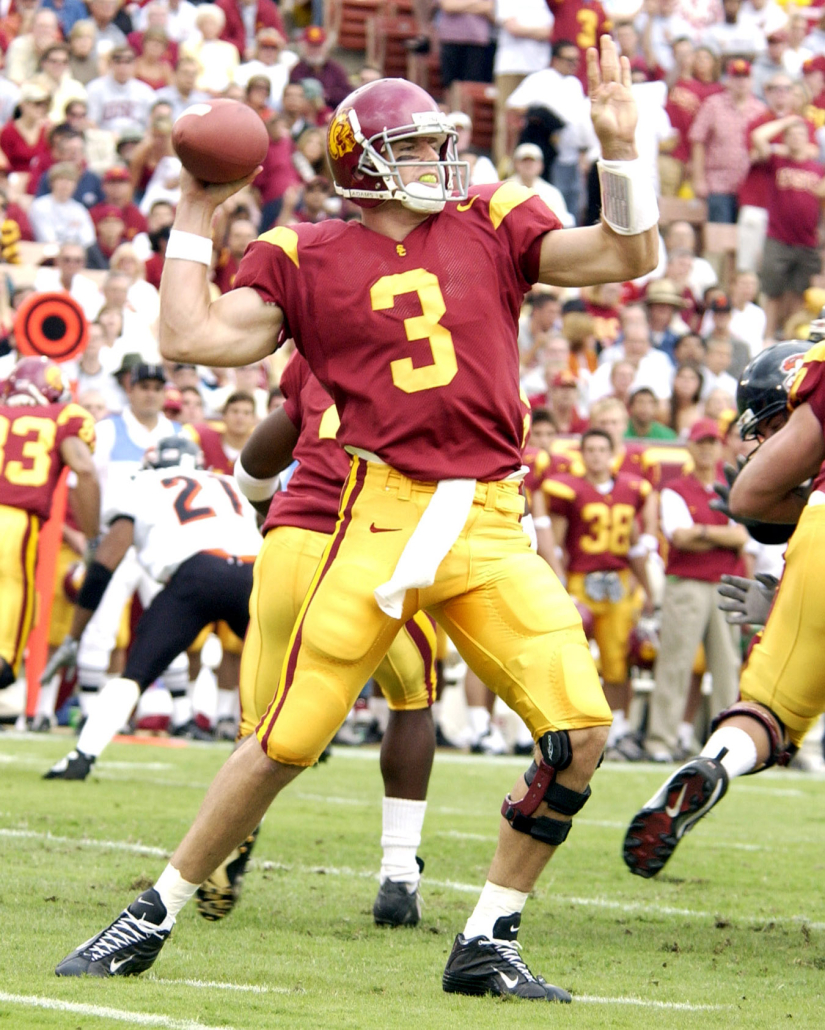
x=93 y=371
x=653 y=368
x=579 y=329
x=24 y=140
x=704 y=545
x=563 y=401
x=664 y=306
x=191 y=405
x=315 y=63
x=182 y=92
x=661 y=27
x=153 y=148
x=152 y=64
x=559 y=90
x=309 y=156
x=643 y=409
x=117 y=100
x=464 y=30
x=179 y=19
x=542 y=319
x=241 y=233
x=748 y=320
x=67 y=275
x=684 y=99
x=528 y=162
x=137 y=329
x=716 y=374
x=769 y=63
x=67 y=145
x=795 y=191
x=523 y=47
x=720 y=152
x=622 y=376
x=221 y=444
x=26 y=50
x=94 y=402
x=108 y=35
x=307 y=205
x=685 y=406
x=271 y=59
x=158 y=239
x=68 y=12
x=110 y=319
x=243 y=20
x=734 y=37
x=257 y=96
x=603 y=303
x=140 y=295
x=482 y=169
x=117 y=192
x=110 y=228
x=54 y=76
x=84 y=64
x=296 y=109
x=247 y=379
x=681 y=236
x=217 y=57
x=56 y=217
x=569 y=16
x=796 y=53
x=679 y=269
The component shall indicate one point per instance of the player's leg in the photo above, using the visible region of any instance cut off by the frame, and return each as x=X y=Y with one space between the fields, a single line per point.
x=407 y=678
x=614 y=644
x=18 y=558
x=782 y=694
x=522 y=634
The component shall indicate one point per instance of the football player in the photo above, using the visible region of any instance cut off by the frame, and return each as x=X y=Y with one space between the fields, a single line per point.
x=595 y=520
x=42 y=431
x=197 y=538
x=781 y=402
x=299 y=523
x=409 y=320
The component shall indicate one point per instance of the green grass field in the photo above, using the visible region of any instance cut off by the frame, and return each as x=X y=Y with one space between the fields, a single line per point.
x=732 y=936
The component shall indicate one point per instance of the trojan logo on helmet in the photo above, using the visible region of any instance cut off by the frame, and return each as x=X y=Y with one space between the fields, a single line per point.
x=363 y=137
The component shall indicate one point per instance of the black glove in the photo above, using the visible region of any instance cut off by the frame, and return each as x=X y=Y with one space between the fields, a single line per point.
x=762 y=532
x=747 y=601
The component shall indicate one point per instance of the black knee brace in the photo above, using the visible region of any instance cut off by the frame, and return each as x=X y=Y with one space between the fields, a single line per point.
x=6 y=674
x=556 y=754
x=782 y=750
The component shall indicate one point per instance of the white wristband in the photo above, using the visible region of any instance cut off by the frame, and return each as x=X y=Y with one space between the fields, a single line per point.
x=629 y=204
x=541 y=521
x=649 y=542
x=254 y=489
x=188 y=246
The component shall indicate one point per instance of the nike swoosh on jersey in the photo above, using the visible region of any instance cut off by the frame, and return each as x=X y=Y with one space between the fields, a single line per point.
x=509 y=984
x=468 y=205
x=381 y=529
x=673 y=810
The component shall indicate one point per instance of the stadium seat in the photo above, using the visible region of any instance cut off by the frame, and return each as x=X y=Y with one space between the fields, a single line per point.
x=720 y=249
x=385 y=37
x=347 y=21
x=478 y=99
x=675 y=209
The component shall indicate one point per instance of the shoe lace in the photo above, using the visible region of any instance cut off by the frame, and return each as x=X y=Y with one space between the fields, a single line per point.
x=124 y=931
x=509 y=951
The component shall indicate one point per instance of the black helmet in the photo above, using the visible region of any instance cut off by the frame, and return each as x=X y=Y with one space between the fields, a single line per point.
x=765 y=382
x=173 y=452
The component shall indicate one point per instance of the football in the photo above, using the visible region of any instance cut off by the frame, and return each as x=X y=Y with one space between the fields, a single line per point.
x=220 y=140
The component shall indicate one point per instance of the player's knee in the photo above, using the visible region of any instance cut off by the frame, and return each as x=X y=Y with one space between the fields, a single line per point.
x=588 y=746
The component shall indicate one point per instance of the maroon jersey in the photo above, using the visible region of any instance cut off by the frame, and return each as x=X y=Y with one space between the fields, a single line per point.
x=312 y=496
x=133 y=220
x=598 y=524
x=210 y=440
x=424 y=368
x=793 y=206
x=711 y=565
x=809 y=388
x=31 y=462
x=755 y=190
x=226 y=269
x=583 y=22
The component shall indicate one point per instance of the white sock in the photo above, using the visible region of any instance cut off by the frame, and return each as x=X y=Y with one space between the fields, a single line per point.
x=741 y=756
x=181 y=710
x=618 y=728
x=684 y=734
x=493 y=903
x=402 y=821
x=227 y=706
x=380 y=711
x=114 y=706
x=174 y=891
x=479 y=719
x=47 y=697
x=523 y=734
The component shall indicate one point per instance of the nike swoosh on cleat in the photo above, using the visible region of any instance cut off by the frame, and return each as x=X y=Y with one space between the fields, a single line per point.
x=673 y=810
x=114 y=965
x=508 y=983
x=381 y=529
x=468 y=205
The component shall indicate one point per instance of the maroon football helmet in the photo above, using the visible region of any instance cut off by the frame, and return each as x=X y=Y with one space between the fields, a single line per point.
x=35 y=381
x=360 y=145
x=643 y=643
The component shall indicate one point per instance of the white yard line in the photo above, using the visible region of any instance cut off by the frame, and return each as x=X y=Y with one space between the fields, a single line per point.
x=218 y=986
x=106 y=1012
x=679 y=1006
x=87 y=842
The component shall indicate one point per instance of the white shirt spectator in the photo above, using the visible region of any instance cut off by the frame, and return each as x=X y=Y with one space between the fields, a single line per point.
x=768 y=18
x=718 y=381
x=119 y=106
x=664 y=29
x=655 y=370
x=172 y=95
x=84 y=290
x=66 y=222
x=748 y=324
x=564 y=96
x=278 y=74
x=517 y=55
x=551 y=196
x=653 y=126
x=740 y=39
x=180 y=19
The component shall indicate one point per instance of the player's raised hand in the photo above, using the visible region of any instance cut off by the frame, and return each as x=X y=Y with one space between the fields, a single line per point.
x=210 y=195
x=613 y=107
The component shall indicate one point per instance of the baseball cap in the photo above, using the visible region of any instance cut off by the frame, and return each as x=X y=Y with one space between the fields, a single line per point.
x=564 y=378
x=108 y=211
x=145 y=371
x=739 y=68
x=127 y=363
x=528 y=150
x=705 y=429
x=269 y=37
x=663 y=291
x=172 y=398
x=721 y=302
x=34 y=93
x=117 y=174
x=314 y=35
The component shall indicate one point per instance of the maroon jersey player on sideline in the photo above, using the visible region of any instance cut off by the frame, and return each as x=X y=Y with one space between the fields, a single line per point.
x=41 y=433
x=595 y=519
x=410 y=321
x=299 y=523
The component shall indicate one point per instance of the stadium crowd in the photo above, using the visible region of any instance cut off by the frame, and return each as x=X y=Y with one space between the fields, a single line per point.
x=632 y=386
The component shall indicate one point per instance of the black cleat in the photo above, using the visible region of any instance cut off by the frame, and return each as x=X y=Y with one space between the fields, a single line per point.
x=217 y=896
x=75 y=766
x=127 y=946
x=689 y=794
x=396 y=905
x=191 y=731
x=483 y=966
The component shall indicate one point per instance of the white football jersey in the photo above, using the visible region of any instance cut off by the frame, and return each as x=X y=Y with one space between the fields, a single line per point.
x=179 y=512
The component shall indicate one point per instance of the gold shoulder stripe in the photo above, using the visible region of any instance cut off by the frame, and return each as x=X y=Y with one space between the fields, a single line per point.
x=330 y=422
x=286 y=239
x=557 y=489
x=508 y=196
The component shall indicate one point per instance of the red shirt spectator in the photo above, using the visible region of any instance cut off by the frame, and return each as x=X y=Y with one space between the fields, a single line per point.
x=267 y=16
